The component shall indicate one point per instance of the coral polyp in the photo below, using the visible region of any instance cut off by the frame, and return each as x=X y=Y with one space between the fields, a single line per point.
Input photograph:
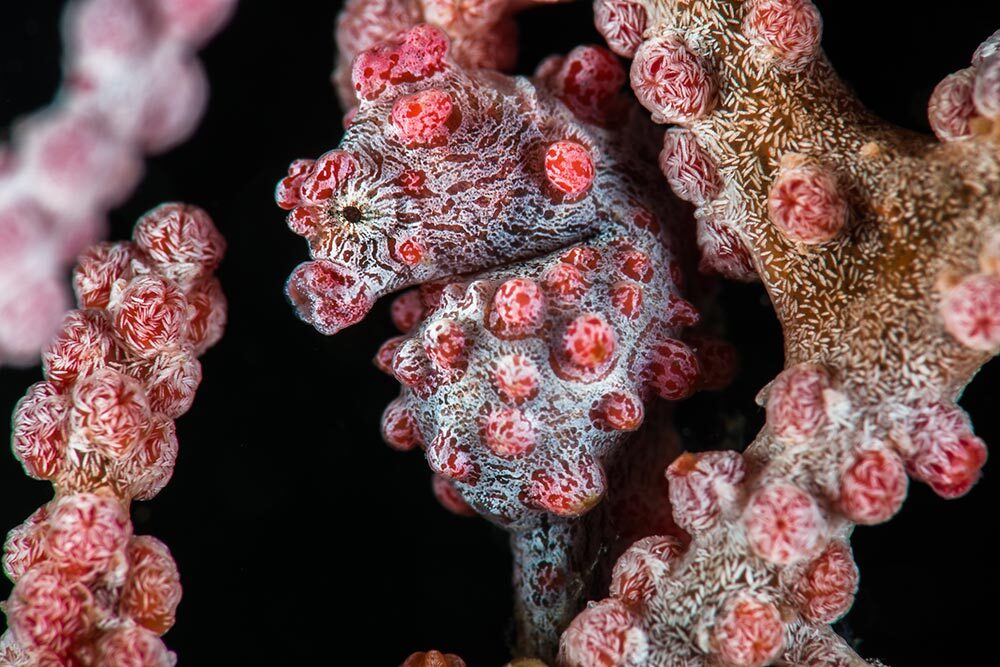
x=482 y=33
x=833 y=207
x=132 y=86
x=88 y=591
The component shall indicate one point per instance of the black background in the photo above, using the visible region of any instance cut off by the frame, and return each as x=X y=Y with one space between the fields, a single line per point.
x=300 y=537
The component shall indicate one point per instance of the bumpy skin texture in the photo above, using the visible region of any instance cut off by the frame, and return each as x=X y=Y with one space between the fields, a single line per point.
x=100 y=428
x=517 y=426
x=132 y=85
x=520 y=382
x=535 y=371
x=560 y=562
x=482 y=32
x=877 y=247
x=479 y=186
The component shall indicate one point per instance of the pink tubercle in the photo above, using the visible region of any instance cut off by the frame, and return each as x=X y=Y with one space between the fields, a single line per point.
x=446 y=344
x=413 y=55
x=450 y=497
x=673 y=370
x=399 y=428
x=328 y=296
x=569 y=167
x=518 y=307
x=588 y=82
x=568 y=490
x=407 y=310
x=618 y=411
x=516 y=378
x=420 y=119
x=328 y=176
x=448 y=457
x=589 y=341
x=627 y=299
x=508 y=432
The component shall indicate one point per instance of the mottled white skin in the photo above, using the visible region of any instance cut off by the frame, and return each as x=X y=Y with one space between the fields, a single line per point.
x=488 y=200
x=865 y=306
x=561 y=416
x=581 y=551
x=560 y=412
x=488 y=204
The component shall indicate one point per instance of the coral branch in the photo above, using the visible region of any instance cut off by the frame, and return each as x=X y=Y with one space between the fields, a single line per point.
x=132 y=85
x=100 y=428
x=483 y=34
x=875 y=245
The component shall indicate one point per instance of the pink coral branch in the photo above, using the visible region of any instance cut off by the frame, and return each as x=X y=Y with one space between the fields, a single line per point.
x=132 y=86
x=483 y=33
x=876 y=247
x=100 y=428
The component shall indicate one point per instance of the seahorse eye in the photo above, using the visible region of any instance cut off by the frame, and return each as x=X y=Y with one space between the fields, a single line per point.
x=352 y=214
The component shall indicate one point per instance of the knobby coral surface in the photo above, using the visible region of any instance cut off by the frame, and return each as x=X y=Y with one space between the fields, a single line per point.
x=482 y=32
x=878 y=249
x=100 y=427
x=132 y=85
